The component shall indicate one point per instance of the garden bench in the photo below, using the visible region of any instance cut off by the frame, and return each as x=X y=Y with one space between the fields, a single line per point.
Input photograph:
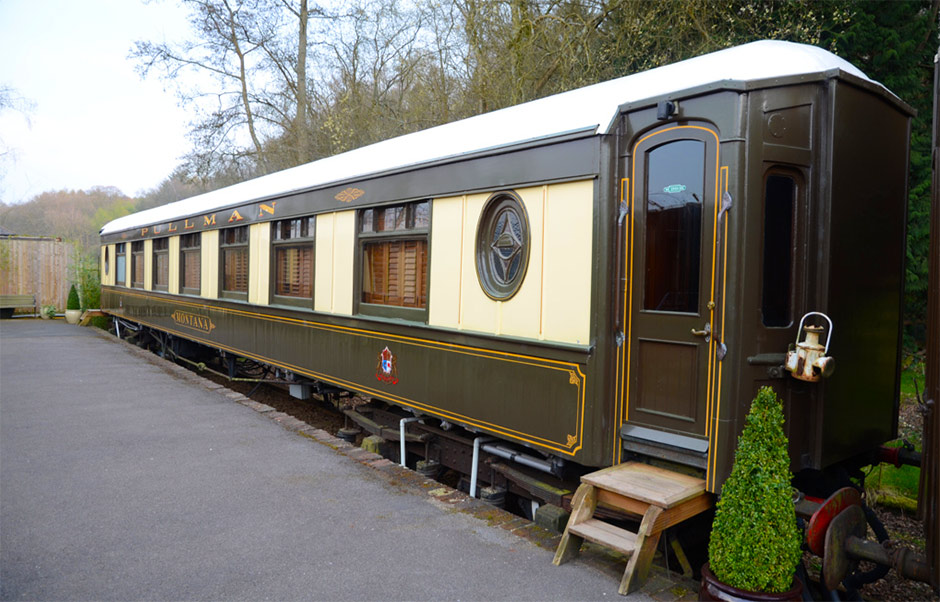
x=9 y=303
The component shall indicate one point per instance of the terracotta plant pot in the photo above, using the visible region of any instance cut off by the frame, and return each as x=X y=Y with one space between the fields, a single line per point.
x=713 y=589
x=72 y=316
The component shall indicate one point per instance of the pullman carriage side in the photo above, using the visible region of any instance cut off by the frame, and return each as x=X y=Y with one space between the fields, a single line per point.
x=387 y=296
x=607 y=273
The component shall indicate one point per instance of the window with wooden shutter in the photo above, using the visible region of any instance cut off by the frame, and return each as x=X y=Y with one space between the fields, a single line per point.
x=395 y=273
x=293 y=241
x=394 y=251
x=190 y=263
x=161 y=264
x=233 y=247
x=137 y=264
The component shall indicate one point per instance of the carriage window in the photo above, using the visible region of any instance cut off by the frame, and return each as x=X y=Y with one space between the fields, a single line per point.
x=120 y=264
x=233 y=246
x=293 y=241
x=779 y=201
x=502 y=247
x=161 y=264
x=107 y=260
x=675 y=189
x=137 y=264
x=394 y=250
x=190 y=263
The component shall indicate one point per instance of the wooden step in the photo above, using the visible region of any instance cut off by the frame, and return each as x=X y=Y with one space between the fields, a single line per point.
x=89 y=314
x=649 y=484
x=605 y=534
x=662 y=497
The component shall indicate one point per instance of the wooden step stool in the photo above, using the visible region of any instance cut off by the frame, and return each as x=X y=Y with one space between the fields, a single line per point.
x=662 y=497
x=89 y=314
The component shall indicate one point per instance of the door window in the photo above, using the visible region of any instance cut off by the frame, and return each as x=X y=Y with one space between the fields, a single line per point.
x=675 y=189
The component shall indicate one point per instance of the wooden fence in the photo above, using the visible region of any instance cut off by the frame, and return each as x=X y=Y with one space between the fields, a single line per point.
x=33 y=265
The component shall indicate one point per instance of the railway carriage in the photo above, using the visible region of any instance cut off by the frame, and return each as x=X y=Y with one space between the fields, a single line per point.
x=605 y=273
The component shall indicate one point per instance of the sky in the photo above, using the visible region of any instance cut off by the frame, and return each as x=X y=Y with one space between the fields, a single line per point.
x=93 y=120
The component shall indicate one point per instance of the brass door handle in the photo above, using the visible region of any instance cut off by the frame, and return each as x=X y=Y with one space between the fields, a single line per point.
x=705 y=332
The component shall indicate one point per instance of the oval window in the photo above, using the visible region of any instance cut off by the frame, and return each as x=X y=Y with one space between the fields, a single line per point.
x=107 y=262
x=502 y=251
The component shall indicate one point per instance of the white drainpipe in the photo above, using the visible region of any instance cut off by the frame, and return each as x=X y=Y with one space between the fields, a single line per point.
x=476 y=464
x=401 y=433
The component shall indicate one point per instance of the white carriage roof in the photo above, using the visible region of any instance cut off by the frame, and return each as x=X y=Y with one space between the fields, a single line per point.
x=591 y=109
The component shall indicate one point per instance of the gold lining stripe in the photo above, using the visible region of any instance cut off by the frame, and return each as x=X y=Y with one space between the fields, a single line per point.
x=709 y=375
x=566 y=367
x=362 y=332
x=713 y=440
x=618 y=386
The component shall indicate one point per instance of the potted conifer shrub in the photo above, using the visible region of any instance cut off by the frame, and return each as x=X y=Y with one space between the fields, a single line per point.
x=754 y=547
x=73 y=311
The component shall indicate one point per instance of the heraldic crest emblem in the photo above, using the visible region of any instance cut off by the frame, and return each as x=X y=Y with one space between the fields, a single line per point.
x=387 y=368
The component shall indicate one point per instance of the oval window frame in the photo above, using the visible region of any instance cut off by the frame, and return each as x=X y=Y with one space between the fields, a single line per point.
x=494 y=287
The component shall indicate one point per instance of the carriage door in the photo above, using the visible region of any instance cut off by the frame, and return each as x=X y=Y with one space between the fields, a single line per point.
x=670 y=283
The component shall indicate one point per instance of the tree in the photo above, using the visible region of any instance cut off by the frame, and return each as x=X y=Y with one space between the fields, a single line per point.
x=10 y=100
x=259 y=90
x=294 y=83
x=75 y=215
x=894 y=43
x=177 y=186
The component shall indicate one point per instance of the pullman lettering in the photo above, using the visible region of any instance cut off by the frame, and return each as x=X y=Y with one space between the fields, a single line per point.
x=208 y=220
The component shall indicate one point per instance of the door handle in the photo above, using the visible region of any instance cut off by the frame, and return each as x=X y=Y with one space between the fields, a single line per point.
x=705 y=332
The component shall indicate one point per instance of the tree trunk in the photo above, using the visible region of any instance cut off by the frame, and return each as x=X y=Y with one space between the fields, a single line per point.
x=300 y=119
x=243 y=81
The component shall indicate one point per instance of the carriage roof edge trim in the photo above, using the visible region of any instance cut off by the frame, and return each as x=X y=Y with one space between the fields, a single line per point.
x=592 y=109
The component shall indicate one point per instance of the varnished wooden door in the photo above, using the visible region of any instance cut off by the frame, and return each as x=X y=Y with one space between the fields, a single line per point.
x=670 y=277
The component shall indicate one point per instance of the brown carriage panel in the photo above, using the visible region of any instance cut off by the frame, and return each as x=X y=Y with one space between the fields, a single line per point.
x=788 y=126
x=865 y=257
x=666 y=381
x=472 y=385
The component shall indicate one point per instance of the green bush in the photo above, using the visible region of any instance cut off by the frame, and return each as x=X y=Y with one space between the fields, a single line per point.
x=755 y=542
x=73 y=303
x=84 y=272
